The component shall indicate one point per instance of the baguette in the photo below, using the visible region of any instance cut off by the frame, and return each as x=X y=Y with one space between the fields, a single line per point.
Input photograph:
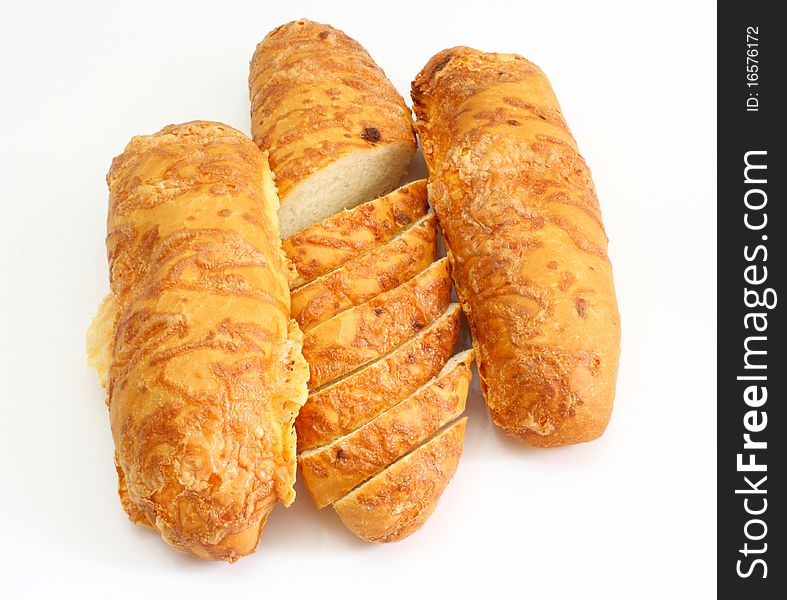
x=327 y=245
x=522 y=228
x=363 y=278
x=337 y=130
x=365 y=332
x=342 y=407
x=332 y=471
x=205 y=372
x=398 y=501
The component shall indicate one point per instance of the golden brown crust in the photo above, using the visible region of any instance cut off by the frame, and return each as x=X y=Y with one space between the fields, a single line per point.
x=135 y=514
x=332 y=471
x=207 y=374
x=351 y=402
x=382 y=269
x=399 y=500
x=350 y=233
x=316 y=95
x=365 y=332
x=522 y=228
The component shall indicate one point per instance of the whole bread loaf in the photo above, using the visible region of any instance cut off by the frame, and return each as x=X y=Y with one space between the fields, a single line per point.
x=337 y=131
x=202 y=362
x=522 y=228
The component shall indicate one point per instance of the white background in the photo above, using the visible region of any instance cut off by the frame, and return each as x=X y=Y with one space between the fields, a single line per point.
x=629 y=516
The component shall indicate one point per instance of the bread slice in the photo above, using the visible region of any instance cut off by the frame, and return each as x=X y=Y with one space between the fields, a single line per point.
x=342 y=407
x=363 y=278
x=397 y=501
x=331 y=471
x=365 y=332
x=326 y=245
x=336 y=130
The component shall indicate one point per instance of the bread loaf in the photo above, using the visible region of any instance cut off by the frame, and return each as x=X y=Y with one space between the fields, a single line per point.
x=337 y=131
x=205 y=373
x=413 y=485
x=528 y=251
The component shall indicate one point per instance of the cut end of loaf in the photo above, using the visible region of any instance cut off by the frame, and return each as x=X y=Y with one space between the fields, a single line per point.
x=345 y=183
